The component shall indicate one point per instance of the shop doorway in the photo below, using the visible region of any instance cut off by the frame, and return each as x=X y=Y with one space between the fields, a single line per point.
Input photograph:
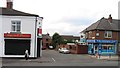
x=95 y=49
x=16 y=46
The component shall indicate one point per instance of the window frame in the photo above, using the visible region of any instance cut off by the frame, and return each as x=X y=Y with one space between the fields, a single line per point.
x=90 y=34
x=108 y=32
x=97 y=34
x=16 y=26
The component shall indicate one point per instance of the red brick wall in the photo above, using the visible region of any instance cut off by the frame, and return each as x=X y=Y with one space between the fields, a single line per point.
x=82 y=49
x=76 y=49
x=101 y=35
x=44 y=42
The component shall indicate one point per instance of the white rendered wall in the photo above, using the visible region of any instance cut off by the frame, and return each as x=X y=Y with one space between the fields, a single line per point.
x=39 y=25
x=27 y=26
x=1 y=37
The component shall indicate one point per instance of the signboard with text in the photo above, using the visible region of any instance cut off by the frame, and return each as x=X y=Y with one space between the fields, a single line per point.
x=9 y=35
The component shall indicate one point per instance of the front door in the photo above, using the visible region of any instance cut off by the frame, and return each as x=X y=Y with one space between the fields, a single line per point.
x=95 y=49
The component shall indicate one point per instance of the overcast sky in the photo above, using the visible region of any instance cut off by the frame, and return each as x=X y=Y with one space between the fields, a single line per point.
x=67 y=17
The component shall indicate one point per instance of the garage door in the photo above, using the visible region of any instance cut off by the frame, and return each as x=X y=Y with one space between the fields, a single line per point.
x=16 y=46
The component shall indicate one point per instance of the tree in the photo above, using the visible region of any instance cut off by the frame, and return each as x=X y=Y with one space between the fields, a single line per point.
x=56 y=40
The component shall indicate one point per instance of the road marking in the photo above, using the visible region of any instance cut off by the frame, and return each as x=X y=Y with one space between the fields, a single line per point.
x=53 y=59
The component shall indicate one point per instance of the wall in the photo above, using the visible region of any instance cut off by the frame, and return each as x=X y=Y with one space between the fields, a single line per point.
x=79 y=49
x=76 y=49
x=45 y=41
x=82 y=49
x=101 y=35
x=1 y=37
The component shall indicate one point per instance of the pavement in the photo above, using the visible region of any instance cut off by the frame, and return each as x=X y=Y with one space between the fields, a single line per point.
x=115 y=57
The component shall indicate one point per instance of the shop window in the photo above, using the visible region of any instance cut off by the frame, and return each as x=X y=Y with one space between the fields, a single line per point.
x=108 y=34
x=107 y=46
x=104 y=47
x=15 y=26
x=110 y=47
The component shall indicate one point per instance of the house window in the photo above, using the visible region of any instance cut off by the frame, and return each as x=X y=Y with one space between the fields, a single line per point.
x=86 y=35
x=97 y=34
x=108 y=34
x=15 y=26
x=46 y=39
x=90 y=34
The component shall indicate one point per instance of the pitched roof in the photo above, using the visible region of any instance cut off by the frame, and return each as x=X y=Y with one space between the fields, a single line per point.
x=13 y=12
x=46 y=36
x=104 y=24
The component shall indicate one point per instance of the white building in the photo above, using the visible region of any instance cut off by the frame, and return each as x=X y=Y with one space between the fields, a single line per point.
x=19 y=31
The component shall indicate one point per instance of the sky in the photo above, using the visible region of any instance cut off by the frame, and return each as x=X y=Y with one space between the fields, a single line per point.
x=67 y=17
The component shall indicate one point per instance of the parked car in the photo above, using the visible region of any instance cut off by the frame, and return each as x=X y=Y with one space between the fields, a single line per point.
x=64 y=50
x=51 y=47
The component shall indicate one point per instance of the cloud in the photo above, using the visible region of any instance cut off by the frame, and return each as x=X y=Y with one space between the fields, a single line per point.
x=67 y=16
x=64 y=28
x=78 y=21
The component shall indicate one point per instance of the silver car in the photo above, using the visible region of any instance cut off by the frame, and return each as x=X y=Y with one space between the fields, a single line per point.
x=64 y=50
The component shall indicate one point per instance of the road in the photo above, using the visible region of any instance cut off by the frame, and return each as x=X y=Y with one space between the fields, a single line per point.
x=54 y=58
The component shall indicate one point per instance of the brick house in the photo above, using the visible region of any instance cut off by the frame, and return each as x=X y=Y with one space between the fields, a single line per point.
x=103 y=36
x=46 y=41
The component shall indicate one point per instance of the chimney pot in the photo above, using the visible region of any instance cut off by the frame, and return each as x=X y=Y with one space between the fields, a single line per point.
x=48 y=34
x=10 y=4
x=110 y=18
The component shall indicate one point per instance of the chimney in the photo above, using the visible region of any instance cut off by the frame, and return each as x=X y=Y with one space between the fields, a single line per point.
x=110 y=18
x=48 y=34
x=10 y=4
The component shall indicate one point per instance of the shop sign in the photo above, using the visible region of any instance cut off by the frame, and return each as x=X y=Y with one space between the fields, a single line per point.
x=9 y=35
x=101 y=41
